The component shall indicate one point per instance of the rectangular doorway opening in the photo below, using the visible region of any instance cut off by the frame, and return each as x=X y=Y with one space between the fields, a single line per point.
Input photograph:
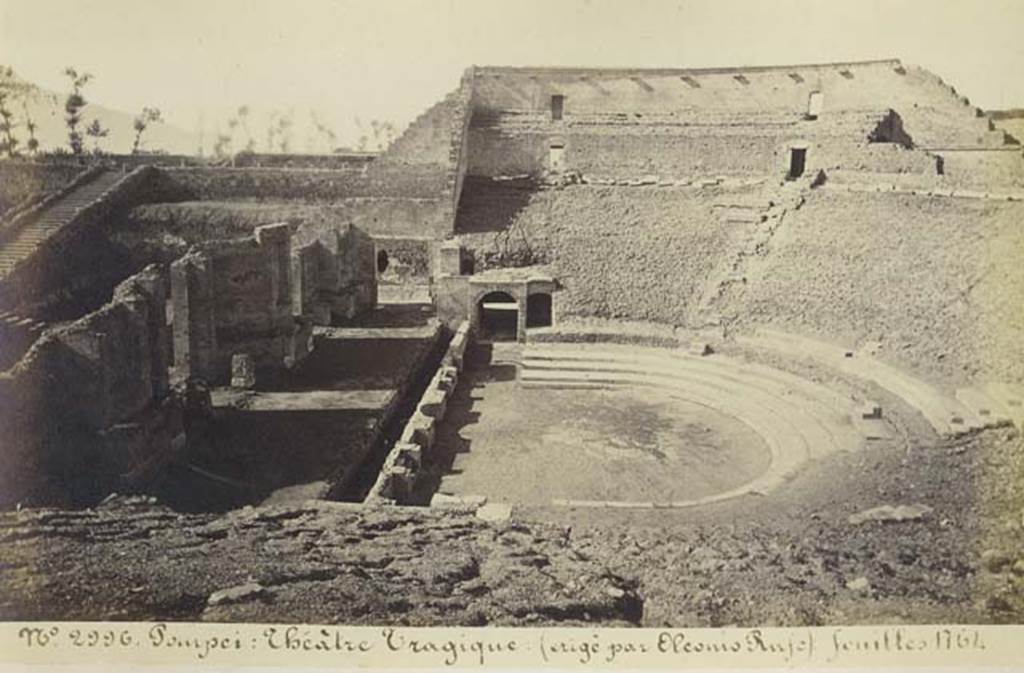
x=797 y=161
x=557 y=107
x=556 y=157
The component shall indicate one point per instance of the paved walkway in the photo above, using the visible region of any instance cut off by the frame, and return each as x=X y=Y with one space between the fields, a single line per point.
x=316 y=400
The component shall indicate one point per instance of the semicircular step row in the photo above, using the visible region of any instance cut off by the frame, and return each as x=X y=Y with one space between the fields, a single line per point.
x=798 y=419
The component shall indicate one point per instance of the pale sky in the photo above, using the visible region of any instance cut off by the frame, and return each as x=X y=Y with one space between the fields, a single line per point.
x=391 y=59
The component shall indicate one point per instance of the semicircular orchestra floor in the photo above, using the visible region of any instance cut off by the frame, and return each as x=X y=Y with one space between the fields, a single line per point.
x=633 y=426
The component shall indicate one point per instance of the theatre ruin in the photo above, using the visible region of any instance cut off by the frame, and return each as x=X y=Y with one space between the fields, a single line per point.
x=563 y=304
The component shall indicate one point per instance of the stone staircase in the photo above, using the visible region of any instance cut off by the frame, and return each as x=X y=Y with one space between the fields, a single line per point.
x=950 y=416
x=23 y=243
x=427 y=138
x=762 y=217
x=17 y=334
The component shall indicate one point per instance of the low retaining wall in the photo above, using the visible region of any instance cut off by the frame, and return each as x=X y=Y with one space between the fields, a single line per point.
x=307 y=184
x=398 y=475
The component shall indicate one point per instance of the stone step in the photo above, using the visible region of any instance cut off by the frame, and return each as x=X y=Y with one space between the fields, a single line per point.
x=814 y=415
x=682 y=362
x=945 y=414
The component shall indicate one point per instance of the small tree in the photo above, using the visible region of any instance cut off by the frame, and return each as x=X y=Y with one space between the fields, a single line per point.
x=30 y=126
x=8 y=87
x=326 y=133
x=142 y=121
x=284 y=133
x=242 y=117
x=97 y=132
x=222 y=145
x=73 y=105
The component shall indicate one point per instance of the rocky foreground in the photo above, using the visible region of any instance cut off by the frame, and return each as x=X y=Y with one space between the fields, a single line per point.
x=934 y=539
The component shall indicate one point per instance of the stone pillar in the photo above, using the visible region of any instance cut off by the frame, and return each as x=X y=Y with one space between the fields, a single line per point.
x=449 y=257
x=275 y=241
x=153 y=285
x=521 y=315
x=305 y=281
x=192 y=301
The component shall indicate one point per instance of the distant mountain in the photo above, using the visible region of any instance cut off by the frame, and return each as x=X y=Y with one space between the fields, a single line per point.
x=46 y=109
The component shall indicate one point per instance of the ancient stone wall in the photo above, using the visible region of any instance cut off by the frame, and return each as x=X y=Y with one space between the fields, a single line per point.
x=933 y=112
x=988 y=167
x=236 y=297
x=628 y=252
x=341 y=265
x=90 y=406
x=309 y=185
x=405 y=260
x=164 y=231
x=437 y=141
x=667 y=145
x=400 y=470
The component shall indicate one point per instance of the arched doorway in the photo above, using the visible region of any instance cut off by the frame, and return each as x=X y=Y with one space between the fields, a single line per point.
x=538 y=310
x=383 y=261
x=499 y=317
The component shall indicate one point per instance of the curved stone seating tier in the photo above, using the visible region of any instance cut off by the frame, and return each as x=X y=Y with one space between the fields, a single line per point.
x=997 y=403
x=799 y=420
x=947 y=415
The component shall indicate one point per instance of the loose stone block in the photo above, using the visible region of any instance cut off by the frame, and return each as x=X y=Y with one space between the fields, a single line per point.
x=243 y=371
x=871 y=411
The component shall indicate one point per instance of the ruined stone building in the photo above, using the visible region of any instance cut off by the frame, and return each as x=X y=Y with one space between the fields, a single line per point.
x=289 y=331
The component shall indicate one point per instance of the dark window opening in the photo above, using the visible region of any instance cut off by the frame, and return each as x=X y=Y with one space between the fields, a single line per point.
x=797 y=161
x=382 y=261
x=691 y=81
x=846 y=73
x=557 y=107
x=900 y=70
x=467 y=265
x=940 y=165
x=499 y=317
x=538 y=310
x=796 y=77
x=741 y=79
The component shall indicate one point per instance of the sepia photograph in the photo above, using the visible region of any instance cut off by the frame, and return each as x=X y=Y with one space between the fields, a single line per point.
x=662 y=316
